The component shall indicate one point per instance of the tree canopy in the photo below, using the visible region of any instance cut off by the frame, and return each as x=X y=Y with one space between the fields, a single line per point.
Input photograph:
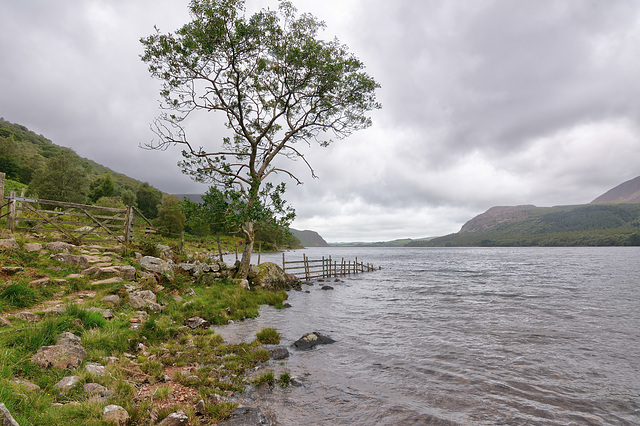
x=276 y=82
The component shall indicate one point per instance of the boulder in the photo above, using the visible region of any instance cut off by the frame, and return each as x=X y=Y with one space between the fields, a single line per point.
x=67 y=352
x=272 y=277
x=111 y=299
x=9 y=244
x=71 y=259
x=154 y=264
x=128 y=272
x=277 y=352
x=137 y=302
x=112 y=280
x=175 y=419
x=326 y=287
x=32 y=247
x=115 y=414
x=59 y=246
x=165 y=252
x=96 y=390
x=27 y=316
x=5 y=417
x=146 y=295
x=311 y=340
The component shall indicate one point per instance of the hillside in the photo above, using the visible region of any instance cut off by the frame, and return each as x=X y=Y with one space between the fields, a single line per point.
x=627 y=192
x=23 y=152
x=309 y=238
x=581 y=225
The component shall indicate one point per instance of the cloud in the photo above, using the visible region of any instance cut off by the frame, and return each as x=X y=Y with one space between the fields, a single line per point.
x=485 y=103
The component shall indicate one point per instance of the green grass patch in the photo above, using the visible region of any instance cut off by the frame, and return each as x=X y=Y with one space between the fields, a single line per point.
x=268 y=336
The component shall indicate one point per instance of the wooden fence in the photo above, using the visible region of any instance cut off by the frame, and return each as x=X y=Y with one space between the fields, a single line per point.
x=324 y=268
x=76 y=223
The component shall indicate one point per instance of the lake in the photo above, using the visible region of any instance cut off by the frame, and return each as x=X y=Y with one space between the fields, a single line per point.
x=463 y=336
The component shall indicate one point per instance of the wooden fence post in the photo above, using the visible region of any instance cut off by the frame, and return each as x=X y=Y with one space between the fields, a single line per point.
x=259 y=251
x=306 y=266
x=2 y=175
x=128 y=224
x=11 y=219
x=220 y=249
x=283 y=263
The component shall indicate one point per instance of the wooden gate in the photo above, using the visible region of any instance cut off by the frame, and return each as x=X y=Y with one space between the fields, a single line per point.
x=77 y=223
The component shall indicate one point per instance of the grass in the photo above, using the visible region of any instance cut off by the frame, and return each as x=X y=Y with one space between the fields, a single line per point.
x=139 y=355
x=268 y=336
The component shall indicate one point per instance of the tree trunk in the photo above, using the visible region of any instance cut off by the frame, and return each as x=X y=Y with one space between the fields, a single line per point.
x=245 y=262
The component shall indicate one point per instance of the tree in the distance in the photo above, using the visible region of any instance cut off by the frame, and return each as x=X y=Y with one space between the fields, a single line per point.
x=277 y=83
x=62 y=179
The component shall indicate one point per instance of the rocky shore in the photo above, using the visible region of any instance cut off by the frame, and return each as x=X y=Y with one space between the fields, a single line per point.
x=128 y=338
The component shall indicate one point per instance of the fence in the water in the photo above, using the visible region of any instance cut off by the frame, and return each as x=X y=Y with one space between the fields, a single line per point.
x=324 y=268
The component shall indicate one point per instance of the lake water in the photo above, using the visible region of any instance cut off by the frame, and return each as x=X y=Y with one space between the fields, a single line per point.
x=464 y=336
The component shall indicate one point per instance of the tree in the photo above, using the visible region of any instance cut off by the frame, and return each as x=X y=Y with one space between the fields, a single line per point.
x=148 y=199
x=62 y=179
x=277 y=83
x=170 y=217
x=101 y=187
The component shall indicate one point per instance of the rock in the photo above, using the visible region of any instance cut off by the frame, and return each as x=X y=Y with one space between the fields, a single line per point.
x=9 y=244
x=115 y=414
x=175 y=419
x=67 y=352
x=32 y=247
x=137 y=302
x=277 y=352
x=164 y=252
x=147 y=295
x=245 y=284
x=272 y=277
x=71 y=259
x=74 y=276
x=106 y=313
x=326 y=287
x=253 y=271
x=243 y=416
x=5 y=417
x=311 y=340
x=153 y=264
x=5 y=322
x=111 y=299
x=128 y=272
x=112 y=280
x=67 y=383
x=196 y=322
x=95 y=369
x=27 y=316
x=97 y=389
x=11 y=270
x=41 y=282
x=200 y=407
x=154 y=307
x=32 y=387
x=59 y=246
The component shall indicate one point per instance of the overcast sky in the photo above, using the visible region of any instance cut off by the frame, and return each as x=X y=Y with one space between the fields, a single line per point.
x=484 y=103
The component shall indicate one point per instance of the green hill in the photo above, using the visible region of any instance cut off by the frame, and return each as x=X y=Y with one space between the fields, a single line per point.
x=23 y=153
x=580 y=225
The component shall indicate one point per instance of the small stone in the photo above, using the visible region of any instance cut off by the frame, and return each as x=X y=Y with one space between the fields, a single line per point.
x=95 y=369
x=74 y=276
x=113 y=280
x=95 y=388
x=27 y=385
x=311 y=340
x=8 y=244
x=40 y=282
x=196 y=322
x=5 y=417
x=27 y=316
x=60 y=246
x=175 y=419
x=11 y=270
x=115 y=414
x=277 y=352
x=111 y=299
x=326 y=287
x=67 y=383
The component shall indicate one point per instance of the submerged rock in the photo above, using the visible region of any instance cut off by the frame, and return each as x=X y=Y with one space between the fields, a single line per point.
x=311 y=340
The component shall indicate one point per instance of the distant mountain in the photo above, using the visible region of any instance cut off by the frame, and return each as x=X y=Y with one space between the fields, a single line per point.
x=196 y=198
x=627 y=192
x=581 y=225
x=309 y=238
x=394 y=243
